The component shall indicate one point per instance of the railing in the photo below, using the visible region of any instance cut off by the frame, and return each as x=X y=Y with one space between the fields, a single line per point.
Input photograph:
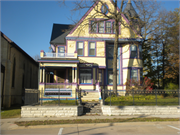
x=59 y=55
x=142 y=97
x=58 y=85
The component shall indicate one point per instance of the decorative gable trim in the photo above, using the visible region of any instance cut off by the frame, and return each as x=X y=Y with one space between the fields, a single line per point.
x=82 y=19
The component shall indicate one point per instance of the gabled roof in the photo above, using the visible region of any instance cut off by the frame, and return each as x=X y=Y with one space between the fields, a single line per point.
x=59 y=32
x=129 y=9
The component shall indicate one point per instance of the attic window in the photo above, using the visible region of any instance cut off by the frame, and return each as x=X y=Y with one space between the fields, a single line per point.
x=104 y=9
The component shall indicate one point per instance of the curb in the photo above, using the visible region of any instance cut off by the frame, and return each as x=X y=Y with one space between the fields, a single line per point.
x=90 y=125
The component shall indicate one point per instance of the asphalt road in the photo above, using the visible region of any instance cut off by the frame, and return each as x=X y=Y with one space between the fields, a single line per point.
x=129 y=128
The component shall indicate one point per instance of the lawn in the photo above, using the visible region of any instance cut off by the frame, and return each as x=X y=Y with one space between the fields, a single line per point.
x=11 y=113
x=142 y=100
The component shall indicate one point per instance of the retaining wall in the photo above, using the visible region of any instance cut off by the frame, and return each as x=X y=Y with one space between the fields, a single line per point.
x=140 y=110
x=51 y=111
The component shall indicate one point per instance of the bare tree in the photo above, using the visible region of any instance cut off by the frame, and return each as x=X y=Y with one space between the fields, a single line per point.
x=36 y=57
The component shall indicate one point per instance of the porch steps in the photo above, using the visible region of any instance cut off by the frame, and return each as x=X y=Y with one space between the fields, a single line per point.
x=90 y=96
x=91 y=108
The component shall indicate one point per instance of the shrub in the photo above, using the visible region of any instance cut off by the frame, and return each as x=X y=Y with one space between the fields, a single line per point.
x=171 y=86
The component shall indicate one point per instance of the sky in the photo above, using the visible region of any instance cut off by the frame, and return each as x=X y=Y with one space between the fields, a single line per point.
x=29 y=23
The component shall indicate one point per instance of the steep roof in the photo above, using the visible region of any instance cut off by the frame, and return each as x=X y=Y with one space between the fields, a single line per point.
x=129 y=9
x=59 y=32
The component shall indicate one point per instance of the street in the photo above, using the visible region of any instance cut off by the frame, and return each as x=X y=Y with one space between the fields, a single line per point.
x=128 y=128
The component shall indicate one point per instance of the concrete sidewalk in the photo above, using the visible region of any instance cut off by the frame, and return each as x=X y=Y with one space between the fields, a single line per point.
x=8 y=124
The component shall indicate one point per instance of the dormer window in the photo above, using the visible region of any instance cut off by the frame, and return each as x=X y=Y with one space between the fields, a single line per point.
x=104 y=9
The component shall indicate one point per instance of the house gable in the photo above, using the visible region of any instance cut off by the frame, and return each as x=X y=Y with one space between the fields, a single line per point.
x=83 y=27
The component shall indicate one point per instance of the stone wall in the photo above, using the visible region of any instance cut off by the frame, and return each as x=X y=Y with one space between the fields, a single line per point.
x=140 y=110
x=51 y=111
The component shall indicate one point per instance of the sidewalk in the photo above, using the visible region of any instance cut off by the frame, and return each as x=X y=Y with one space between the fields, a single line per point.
x=8 y=124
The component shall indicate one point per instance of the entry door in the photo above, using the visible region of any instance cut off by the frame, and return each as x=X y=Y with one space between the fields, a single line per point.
x=61 y=76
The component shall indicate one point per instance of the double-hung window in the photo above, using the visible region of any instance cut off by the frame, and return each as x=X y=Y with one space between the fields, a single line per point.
x=140 y=51
x=92 y=48
x=108 y=27
x=85 y=76
x=61 y=51
x=134 y=73
x=133 y=51
x=80 y=48
x=101 y=27
x=93 y=27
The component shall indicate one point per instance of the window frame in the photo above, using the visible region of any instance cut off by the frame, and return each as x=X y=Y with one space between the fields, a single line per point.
x=78 y=48
x=108 y=27
x=95 y=24
x=105 y=5
x=131 y=74
x=101 y=27
x=90 y=49
x=80 y=75
x=133 y=51
x=140 y=52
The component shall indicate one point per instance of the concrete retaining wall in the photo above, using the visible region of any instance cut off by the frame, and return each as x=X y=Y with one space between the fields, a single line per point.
x=140 y=110
x=51 y=111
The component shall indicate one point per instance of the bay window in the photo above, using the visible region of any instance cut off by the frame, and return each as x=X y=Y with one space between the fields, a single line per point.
x=133 y=49
x=134 y=73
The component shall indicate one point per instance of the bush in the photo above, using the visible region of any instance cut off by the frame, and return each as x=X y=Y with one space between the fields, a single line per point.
x=171 y=86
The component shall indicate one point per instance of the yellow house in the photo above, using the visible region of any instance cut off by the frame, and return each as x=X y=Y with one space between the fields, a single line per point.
x=82 y=55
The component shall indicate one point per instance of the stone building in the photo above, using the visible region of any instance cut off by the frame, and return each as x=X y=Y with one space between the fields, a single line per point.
x=18 y=71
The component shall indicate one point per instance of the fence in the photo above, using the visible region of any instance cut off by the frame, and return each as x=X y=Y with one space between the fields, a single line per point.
x=31 y=96
x=142 y=97
x=59 y=97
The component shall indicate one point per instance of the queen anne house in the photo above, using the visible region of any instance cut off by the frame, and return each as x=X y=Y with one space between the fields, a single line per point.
x=82 y=55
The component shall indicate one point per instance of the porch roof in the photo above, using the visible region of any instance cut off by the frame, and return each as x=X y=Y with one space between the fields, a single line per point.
x=65 y=60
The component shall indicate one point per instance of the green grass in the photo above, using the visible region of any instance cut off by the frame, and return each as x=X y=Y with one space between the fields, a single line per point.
x=11 y=113
x=83 y=121
x=61 y=102
x=142 y=100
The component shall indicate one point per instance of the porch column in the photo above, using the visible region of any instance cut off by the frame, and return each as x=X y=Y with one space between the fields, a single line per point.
x=75 y=74
x=43 y=74
x=72 y=74
x=40 y=74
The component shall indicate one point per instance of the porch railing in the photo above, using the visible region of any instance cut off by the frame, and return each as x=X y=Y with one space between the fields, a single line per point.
x=58 y=85
x=59 y=55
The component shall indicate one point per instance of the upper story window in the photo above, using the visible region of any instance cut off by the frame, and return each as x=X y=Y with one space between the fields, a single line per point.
x=80 y=48
x=133 y=51
x=92 y=48
x=104 y=9
x=61 y=49
x=101 y=27
x=93 y=27
x=110 y=51
x=108 y=27
x=140 y=51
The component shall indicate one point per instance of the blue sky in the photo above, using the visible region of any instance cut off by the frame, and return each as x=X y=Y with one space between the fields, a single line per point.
x=29 y=23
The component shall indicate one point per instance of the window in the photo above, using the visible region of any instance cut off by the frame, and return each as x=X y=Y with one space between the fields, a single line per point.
x=134 y=74
x=61 y=49
x=13 y=75
x=140 y=51
x=104 y=9
x=100 y=76
x=93 y=27
x=110 y=51
x=133 y=51
x=85 y=76
x=101 y=27
x=110 y=76
x=80 y=48
x=108 y=27
x=141 y=75
x=92 y=48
